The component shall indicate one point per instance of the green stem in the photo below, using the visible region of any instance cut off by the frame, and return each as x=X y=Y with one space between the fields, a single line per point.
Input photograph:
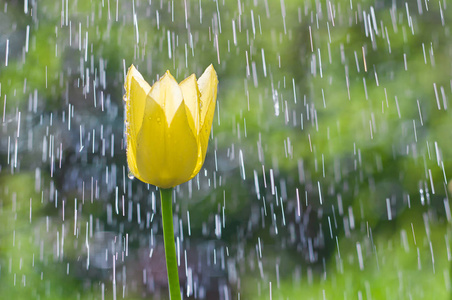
x=170 y=248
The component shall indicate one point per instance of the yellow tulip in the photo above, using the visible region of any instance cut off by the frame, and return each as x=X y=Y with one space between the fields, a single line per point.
x=168 y=126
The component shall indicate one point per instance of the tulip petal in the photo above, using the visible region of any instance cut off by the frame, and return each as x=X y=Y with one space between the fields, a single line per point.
x=166 y=155
x=207 y=85
x=167 y=93
x=136 y=92
x=190 y=93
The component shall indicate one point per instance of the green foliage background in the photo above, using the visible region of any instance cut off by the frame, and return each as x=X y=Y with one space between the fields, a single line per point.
x=349 y=121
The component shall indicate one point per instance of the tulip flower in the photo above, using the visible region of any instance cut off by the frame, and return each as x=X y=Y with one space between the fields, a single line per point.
x=168 y=126
x=167 y=129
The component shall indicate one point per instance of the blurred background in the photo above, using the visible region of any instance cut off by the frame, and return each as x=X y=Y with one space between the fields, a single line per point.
x=328 y=169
